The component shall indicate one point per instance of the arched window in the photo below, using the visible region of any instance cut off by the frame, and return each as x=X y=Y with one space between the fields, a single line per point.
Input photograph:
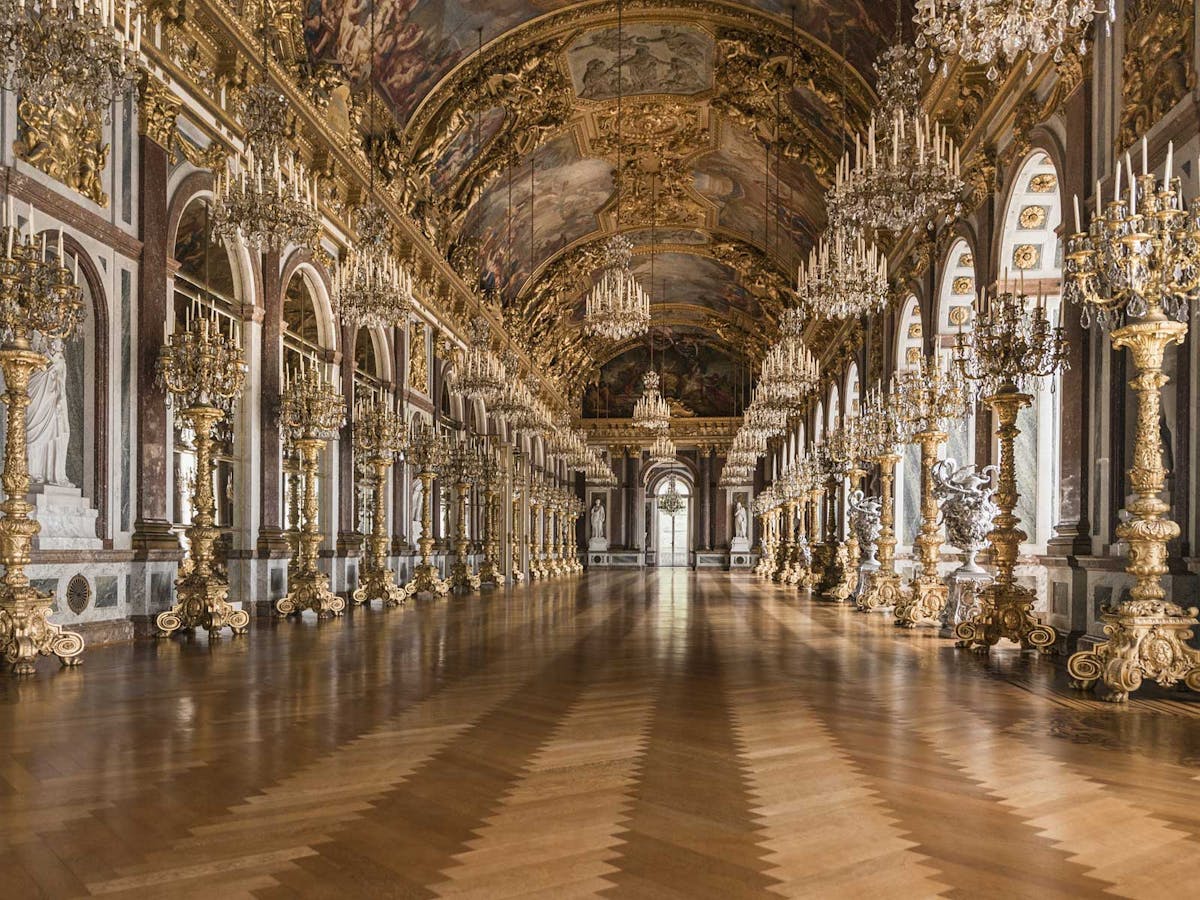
x=204 y=285
x=955 y=297
x=1031 y=257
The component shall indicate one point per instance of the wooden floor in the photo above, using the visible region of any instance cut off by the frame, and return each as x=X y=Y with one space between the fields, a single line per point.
x=618 y=735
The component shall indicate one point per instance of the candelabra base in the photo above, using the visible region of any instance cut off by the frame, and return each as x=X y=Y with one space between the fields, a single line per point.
x=922 y=603
x=833 y=586
x=518 y=576
x=1145 y=640
x=310 y=590
x=462 y=578
x=1005 y=611
x=490 y=574
x=881 y=592
x=25 y=633
x=378 y=584
x=426 y=580
x=202 y=604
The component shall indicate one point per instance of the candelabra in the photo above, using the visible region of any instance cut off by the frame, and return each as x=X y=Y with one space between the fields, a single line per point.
x=312 y=412
x=926 y=397
x=834 y=455
x=538 y=499
x=764 y=506
x=883 y=430
x=519 y=526
x=1139 y=264
x=427 y=452
x=1010 y=346
x=786 y=568
x=463 y=468
x=855 y=474
x=570 y=553
x=204 y=372
x=552 y=539
x=40 y=305
x=379 y=436
x=489 y=480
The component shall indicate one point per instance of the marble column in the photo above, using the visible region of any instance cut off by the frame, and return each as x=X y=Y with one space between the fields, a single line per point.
x=401 y=519
x=152 y=525
x=271 y=540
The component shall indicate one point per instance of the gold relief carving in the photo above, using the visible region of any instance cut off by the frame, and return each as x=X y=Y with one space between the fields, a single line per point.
x=157 y=110
x=960 y=315
x=65 y=143
x=966 y=259
x=1026 y=256
x=1043 y=183
x=418 y=358
x=963 y=284
x=912 y=355
x=980 y=178
x=1032 y=217
x=914 y=330
x=1158 y=66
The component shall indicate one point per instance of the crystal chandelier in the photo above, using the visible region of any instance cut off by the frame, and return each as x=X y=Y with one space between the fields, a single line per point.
x=514 y=397
x=763 y=420
x=663 y=449
x=906 y=170
x=267 y=200
x=789 y=371
x=372 y=287
x=670 y=501
x=994 y=33
x=617 y=308
x=480 y=374
x=651 y=411
x=844 y=277
x=71 y=53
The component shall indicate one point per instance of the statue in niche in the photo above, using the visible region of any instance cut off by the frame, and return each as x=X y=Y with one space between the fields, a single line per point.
x=598 y=517
x=48 y=422
x=739 y=520
x=418 y=504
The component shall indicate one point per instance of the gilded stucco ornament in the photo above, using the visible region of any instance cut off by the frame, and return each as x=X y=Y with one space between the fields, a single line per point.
x=1158 y=68
x=65 y=143
x=158 y=108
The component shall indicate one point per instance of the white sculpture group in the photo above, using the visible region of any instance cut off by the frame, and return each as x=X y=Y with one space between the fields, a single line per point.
x=965 y=496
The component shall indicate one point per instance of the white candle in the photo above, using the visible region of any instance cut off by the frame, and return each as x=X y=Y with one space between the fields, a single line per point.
x=1170 y=163
x=1117 y=184
x=32 y=227
x=1077 y=226
x=1145 y=157
x=137 y=35
x=1132 y=184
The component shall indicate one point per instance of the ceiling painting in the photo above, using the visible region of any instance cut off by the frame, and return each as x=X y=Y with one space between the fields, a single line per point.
x=688 y=279
x=568 y=190
x=654 y=59
x=698 y=379
x=456 y=155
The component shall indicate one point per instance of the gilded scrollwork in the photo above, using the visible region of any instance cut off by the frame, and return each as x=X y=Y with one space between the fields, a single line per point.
x=1158 y=69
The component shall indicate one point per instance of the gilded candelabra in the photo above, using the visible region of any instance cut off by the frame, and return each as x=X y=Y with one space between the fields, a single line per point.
x=312 y=412
x=764 y=505
x=40 y=306
x=883 y=430
x=489 y=481
x=834 y=455
x=204 y=372
x=855 y=474
x=537 y=530
x=463 y=468
x=784 y=558
x=1138 y=267
x=1011 y=346
x=518 y=537
x=572 y=509
x=379 y=436
x=926 y=398
x=427 y=452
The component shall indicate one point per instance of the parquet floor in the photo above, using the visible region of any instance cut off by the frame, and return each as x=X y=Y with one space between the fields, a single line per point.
x=658 y=734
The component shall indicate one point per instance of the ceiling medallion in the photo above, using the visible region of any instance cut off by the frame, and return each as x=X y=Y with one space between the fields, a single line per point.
x=994 y=33
x=844 y=277
x=72 y=53
x=651 y=411
x=906 y=170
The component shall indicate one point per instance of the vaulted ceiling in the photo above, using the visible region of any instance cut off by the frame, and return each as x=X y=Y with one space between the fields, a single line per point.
x=507 y=141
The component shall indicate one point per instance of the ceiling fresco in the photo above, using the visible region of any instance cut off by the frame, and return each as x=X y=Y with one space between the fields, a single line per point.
x=714 y=92
x=698 y=377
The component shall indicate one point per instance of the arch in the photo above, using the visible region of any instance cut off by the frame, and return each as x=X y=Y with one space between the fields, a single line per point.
x=304 y=264
x=198 y=186
x=852 y=390
x=957 y=290
x=1031 y=252
x=910 y=334
x=833 y=411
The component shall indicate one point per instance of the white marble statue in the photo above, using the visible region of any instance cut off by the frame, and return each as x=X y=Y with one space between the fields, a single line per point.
x=740 y=520
x=598 y=516
x=418 y=504
x=48 y=422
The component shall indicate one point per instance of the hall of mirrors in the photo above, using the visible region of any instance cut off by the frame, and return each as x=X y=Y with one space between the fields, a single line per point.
x=881 y=311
